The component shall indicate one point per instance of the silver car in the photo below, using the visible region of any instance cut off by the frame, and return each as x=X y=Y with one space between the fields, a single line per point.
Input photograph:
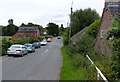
x=15 y=50
x=30 y=47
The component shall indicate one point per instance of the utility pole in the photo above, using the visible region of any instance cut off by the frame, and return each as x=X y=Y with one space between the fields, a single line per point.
x=70 y=28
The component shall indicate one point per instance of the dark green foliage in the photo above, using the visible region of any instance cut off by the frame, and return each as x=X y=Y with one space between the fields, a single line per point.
x=52 y=29
x=82 y=18
x=116 y=20
x=114 y=31
x=61 y=30
x=31 y=25
x=9 y=30
x=116 y=59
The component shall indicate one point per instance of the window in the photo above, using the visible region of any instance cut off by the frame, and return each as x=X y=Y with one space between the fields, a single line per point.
x=113 y=4
x=101 y=33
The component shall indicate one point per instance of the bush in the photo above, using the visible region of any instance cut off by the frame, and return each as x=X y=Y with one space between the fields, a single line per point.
x=93 y=29
x=114 y=31
x=115 y=63
x=116 y=58
x=66 y=37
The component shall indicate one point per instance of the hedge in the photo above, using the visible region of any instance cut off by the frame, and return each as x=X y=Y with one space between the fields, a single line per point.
x=7 y=42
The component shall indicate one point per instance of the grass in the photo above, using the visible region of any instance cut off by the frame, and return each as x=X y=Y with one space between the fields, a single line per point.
x=68 y=72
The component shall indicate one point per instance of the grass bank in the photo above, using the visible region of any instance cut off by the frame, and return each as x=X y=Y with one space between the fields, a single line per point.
x=68 y=72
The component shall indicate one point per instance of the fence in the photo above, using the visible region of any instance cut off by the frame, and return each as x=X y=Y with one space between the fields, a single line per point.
x=99 y=73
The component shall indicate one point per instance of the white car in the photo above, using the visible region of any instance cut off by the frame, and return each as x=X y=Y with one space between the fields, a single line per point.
x=44 y=42
x=16 y=50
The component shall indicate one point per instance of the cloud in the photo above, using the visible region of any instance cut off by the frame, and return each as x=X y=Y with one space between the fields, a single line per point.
x=43 y=11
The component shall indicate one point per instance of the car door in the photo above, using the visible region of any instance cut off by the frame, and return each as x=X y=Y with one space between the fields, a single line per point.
x=24 y=49
x=33 y=48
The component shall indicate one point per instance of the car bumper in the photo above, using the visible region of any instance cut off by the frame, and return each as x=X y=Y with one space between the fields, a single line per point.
x=14 y=53
x=43 y=44
x=29 y=50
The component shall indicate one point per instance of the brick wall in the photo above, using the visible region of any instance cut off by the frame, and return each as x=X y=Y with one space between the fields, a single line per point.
x=106 y=22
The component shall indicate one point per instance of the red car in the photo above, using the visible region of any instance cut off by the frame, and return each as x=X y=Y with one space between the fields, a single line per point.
x=49 y=40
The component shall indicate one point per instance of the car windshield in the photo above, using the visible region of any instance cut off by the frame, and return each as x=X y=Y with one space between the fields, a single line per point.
x=48 y=38
x=43 y=41
x=15 y=47
x=27 y=45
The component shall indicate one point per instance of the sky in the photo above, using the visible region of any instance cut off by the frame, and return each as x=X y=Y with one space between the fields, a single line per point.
x=43 y=11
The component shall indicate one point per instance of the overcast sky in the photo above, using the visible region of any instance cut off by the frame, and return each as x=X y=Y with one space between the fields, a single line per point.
x=43 y=11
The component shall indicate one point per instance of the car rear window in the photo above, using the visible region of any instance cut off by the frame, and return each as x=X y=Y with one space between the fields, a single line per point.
x=27 y=45
x=15 y=47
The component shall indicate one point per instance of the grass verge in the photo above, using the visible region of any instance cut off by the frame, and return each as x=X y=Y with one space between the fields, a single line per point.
x=68 y=72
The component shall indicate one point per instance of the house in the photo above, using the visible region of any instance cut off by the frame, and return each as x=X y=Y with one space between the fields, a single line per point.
x=27 y=32
x=112 y=7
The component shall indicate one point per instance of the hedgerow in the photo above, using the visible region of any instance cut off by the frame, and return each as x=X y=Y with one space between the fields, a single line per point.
x=115 y=63
x=7 y=42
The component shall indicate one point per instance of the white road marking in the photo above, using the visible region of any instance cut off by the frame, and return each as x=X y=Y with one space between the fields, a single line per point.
x=46 y=50
x=53 y=43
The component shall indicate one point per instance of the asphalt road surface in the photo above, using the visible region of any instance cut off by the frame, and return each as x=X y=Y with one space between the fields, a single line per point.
x=43 y=64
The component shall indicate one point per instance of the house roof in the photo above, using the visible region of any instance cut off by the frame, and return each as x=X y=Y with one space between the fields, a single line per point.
x=27 y=29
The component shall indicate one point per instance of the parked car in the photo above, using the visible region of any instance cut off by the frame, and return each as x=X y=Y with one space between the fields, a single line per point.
x=49 y=40
x=15 y=50
x=30 y=47
x=44 y=42
x=59 y=37
x=36 y=44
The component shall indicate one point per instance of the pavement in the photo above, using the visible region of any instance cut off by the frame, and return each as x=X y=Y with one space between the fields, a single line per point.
x=43 y=64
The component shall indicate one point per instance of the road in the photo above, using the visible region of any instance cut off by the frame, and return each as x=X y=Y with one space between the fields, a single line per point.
x=43 y=64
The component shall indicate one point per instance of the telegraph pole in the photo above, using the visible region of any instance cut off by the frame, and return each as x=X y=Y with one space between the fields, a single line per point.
x=70 y=28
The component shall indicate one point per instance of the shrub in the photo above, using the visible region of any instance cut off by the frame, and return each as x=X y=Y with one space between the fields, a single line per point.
x=116 y=58
x=66 y=37
x=114 y=31
x=93 y=29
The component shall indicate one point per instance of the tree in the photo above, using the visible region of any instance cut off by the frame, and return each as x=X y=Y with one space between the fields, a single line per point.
x=53 y=29
x=9 y=30
x=82 y=18
x=61 y=30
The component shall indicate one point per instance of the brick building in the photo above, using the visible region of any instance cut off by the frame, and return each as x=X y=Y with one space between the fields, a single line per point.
x=112 y=7
x=27 y=32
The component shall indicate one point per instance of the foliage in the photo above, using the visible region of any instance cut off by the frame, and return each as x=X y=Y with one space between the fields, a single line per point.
x=93 y=28
x=78 y=51
x=68 y=72
x=116 y=58
x=53 y=29
x=9 y=30
x=116 y=20
x=31 y=25
x=66 y=37
x=46 y=36
x=82 y=18
x=114 y=31
x=61 y=30
x=85 y=46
